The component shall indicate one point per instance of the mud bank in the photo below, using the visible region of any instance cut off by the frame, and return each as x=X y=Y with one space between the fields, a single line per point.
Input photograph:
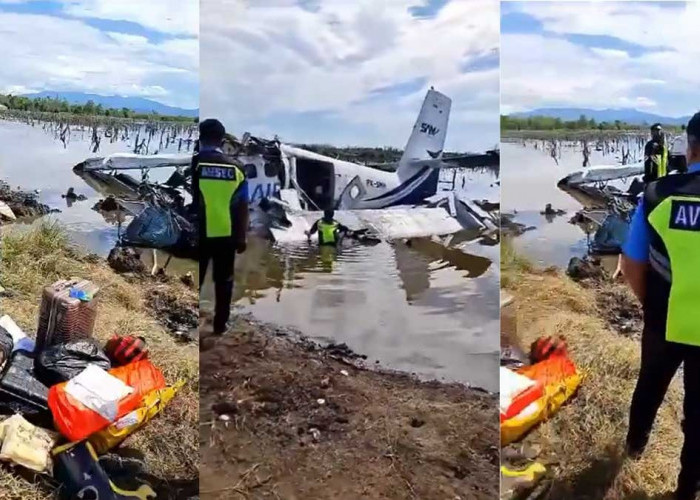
x=283 y=417
x=582 y=445
x=23 y=204
x=166 y=450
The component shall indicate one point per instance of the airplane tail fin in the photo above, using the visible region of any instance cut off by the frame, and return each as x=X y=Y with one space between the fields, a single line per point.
x=428 y=136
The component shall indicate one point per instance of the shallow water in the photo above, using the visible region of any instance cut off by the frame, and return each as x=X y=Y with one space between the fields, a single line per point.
x=33 y=160
x=530 y=179
x=423 y=308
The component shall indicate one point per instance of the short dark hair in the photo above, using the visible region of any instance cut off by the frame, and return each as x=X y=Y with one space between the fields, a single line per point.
x=328 y=213
x=693 y=129
x=211 y=131
x=655 y=127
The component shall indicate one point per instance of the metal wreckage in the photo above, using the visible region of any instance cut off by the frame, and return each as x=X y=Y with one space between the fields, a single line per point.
x=609 y=195
x=287 y=187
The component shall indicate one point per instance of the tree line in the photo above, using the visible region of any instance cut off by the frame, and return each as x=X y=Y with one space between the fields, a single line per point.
x=583 y=123
x=90 y=108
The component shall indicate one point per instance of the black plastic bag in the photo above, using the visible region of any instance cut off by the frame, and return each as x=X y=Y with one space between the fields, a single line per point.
x=22 y=392
x=6 y=345
x=61 y=362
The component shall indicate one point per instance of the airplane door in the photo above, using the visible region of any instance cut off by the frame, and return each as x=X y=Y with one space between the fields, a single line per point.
x=317 y=179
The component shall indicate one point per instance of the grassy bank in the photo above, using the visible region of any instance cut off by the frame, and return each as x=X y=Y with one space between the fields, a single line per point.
x=169 y=444
x=584 y=441
x=304 y=422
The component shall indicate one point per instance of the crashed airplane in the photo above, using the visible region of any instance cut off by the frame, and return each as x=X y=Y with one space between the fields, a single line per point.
x=609 y=194
x=289 y=187
x=293 y=185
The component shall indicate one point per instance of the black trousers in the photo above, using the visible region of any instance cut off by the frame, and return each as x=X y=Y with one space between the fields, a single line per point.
x=221 y=252
x=660 y=361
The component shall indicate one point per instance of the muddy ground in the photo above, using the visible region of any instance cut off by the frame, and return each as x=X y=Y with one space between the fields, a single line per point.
x=614 y=300
x=22 y=203
x=283 y=417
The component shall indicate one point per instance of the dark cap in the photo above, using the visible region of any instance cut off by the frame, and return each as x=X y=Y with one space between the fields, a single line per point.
x=211 y=131
x=656 y=126
x=693 y=128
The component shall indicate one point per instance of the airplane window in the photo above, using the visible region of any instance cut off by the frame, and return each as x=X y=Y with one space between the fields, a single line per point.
x=271 y=169
x=251 y=171
x=354 y=192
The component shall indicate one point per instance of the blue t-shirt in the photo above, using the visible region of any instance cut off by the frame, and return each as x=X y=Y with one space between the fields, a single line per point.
x=636 y=246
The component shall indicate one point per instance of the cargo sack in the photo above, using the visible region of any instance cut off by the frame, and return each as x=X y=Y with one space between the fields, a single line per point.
x=559 y=378
x=78 y=470
x=155 y=227
x=76 y=420
x=152 y=404
x=62 y=362
x=23 y=444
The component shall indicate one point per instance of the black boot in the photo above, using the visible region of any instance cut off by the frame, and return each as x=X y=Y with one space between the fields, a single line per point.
x=224 y=294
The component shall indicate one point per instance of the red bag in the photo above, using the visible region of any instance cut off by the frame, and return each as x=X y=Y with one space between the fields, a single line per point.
x=77 y=422
x=124 y=350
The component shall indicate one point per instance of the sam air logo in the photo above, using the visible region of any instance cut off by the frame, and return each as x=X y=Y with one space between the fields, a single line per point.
x=685 y=215
x=427 y=128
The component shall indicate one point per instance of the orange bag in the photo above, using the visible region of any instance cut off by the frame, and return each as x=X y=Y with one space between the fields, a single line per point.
x=77 y=422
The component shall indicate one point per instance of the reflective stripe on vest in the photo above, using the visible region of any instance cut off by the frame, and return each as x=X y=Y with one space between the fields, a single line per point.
x=217 y=183
x=677 y=221
x=662 y=162
x=327 y=231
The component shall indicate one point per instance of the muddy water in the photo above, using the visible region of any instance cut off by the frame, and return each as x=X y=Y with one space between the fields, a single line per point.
x=530 y=179
x=34 y=160
x=419 y=308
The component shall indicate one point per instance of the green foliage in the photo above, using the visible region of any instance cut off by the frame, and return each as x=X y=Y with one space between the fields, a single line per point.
x=511 y=123
x=56 y=105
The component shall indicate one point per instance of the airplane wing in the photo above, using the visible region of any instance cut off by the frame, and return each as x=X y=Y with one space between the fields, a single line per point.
x=130 y=161
x=603 y=173
x=489 y=160
x=389 y=224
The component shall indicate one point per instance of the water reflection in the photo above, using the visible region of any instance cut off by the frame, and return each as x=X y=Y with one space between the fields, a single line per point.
x=416 y=306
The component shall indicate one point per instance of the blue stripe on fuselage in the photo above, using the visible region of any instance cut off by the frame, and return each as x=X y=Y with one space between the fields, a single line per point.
x=424 y=190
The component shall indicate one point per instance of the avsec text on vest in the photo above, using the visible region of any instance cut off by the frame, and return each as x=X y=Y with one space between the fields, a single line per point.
x=685 y=215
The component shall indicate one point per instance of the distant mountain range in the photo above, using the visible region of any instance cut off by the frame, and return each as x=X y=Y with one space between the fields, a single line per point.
x=137 y=104
x=627 y=115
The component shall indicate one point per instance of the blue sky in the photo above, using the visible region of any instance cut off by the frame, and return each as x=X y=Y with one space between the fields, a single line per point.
x=128 y=47
x=344 y=73
x=600 y=55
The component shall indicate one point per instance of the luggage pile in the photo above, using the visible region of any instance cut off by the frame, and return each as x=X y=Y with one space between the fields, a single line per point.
x=531 y=393
x=65 y=399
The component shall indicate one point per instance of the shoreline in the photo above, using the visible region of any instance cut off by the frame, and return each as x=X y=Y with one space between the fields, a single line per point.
x=312 y=421
x=582 y=444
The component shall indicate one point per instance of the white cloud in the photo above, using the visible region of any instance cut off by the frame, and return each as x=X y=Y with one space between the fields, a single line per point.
x=69 y=55
x=178 y=17
x=540 y=71
x=274 y=57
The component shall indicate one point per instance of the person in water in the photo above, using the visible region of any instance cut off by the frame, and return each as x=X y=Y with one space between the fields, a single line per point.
x=329 y=229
